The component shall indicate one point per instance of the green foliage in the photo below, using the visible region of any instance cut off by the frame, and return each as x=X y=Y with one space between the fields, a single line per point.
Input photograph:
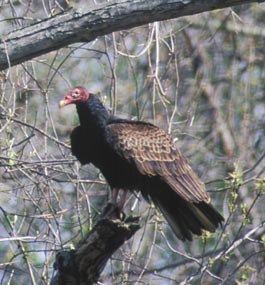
x=235 y=178
x=12 y=155
x=260 y=185
x=245 y=273
x=245 y=214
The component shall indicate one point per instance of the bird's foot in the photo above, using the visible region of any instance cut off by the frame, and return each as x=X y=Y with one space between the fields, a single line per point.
x=113 y=211
x=132 y=219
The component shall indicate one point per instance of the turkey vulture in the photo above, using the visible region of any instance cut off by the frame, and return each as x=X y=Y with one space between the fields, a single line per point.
x=138 y=156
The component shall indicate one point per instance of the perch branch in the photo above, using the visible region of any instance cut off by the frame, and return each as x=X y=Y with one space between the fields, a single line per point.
x=85 y=25
x=84 y=265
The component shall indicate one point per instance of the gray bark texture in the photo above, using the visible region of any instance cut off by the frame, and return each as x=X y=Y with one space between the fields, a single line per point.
x=84 y=265
x=85 y=25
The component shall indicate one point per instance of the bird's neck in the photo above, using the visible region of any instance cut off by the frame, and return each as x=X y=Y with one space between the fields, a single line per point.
x=92 y=113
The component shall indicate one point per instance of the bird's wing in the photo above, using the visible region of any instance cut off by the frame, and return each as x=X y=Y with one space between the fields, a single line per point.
x=153 y=152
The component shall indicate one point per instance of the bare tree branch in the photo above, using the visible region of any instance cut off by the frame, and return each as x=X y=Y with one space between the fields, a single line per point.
x=84 y=265
x=87 y=24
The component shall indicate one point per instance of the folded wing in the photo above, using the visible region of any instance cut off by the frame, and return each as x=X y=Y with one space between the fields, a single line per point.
x=153 y=152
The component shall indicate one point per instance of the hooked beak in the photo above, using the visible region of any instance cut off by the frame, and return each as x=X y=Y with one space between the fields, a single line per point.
x=63 y=103
x=67 y=99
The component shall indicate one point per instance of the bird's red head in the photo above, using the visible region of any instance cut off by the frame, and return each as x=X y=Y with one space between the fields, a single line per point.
x=77 y=94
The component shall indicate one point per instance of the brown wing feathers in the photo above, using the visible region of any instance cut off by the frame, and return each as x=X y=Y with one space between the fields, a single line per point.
x=154 y=153
x=178 y=192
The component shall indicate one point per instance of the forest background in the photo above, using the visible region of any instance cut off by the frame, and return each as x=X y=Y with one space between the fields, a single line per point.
x=200 y=77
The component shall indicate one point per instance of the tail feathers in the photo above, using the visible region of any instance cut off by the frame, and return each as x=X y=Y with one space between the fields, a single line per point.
x=211 y=213
x=177 y=225
x=186 y=218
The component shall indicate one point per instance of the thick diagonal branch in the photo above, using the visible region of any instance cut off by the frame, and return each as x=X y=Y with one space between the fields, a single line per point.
x=87 y=24
x=84 y=265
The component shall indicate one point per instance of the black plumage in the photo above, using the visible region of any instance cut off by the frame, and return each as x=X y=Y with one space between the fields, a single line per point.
x=138 y=156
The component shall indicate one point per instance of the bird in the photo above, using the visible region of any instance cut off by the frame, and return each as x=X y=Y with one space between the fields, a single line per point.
x=139 y=156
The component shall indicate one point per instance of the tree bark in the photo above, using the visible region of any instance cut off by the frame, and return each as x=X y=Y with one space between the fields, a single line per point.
x=84 y=265
x=89 y=23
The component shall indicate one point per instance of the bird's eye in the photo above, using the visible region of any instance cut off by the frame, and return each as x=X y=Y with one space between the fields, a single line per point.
x=75 y=93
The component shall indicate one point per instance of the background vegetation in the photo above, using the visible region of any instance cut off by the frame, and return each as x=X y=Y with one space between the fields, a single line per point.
x=199 y=77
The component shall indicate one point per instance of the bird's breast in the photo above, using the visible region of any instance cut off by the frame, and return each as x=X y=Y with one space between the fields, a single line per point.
x=118 y=172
